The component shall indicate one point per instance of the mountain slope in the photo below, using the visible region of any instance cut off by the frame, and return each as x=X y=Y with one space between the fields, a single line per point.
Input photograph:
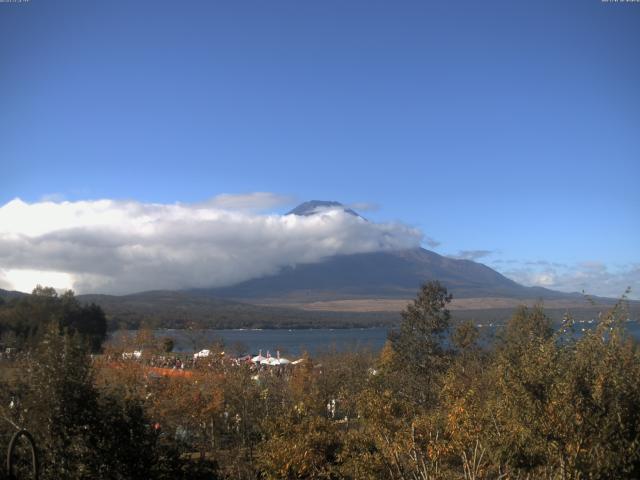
x=379 y=275
x=314 y=207
x=178 y=309
x=9 y=294
x=396 y=274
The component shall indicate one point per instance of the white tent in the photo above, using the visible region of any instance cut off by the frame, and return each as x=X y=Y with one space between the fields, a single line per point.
x=282 y=360
x=278 y=360
x=269 y=360
x=202 y=354
x=258 y=358
x=243 y=359
x=135 y=354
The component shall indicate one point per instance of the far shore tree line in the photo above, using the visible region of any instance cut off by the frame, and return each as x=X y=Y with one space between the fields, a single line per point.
x=439 y=402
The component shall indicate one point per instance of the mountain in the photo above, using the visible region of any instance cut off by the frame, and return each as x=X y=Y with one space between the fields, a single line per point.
x=367 y=289
x=317 y=206
x=9 y=294
x=180 y=309
x=381 y=275
x=343 y=290
x=376 y=275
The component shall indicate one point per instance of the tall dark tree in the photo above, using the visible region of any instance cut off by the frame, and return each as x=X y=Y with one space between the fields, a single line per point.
x=87 y=320
x=419 y=352
x=168 y=344
x=61 y=407
x=425 y=321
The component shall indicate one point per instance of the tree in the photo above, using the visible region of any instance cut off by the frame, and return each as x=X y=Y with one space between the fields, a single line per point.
x=124 y=444
x=465 y=336
x=300 y=448
x=61 y=407
x=82 y=431
x=28 y=317
x=87 y=320
x=168 y=344
x=424 y=323
x=525 y=325
x=418 y=345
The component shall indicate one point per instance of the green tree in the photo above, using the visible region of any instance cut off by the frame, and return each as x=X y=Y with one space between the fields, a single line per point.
x=424 y=323
x=62 y=404
x=419 y=353
x=81 y=431
x=168 y=344
x=28 y=316
x=87 y=320
x=465 y=336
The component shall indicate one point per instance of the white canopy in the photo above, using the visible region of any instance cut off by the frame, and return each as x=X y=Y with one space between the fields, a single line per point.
x=134 y=354
x=269 y=360
x=276 y=361
x=258 y=358
x=202 y=353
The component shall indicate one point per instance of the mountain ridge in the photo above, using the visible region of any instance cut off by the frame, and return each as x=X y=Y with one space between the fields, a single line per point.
x=368 y=288
x=386 y=274
x=313 y=207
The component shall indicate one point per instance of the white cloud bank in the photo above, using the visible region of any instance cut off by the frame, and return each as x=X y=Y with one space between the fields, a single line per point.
x=594 y=278
x=126 y=246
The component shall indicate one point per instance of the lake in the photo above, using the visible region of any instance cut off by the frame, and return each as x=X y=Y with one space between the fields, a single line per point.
x=288 y=342
x=294 y=342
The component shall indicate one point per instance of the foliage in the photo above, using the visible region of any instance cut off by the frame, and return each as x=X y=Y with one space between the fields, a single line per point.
x=418 y=347
x=418 y=344
x=24 y=319
x=535 y=402
x=167 y=344
x=61 y=405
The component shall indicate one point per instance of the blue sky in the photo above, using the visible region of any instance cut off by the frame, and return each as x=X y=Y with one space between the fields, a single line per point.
x=497 y=127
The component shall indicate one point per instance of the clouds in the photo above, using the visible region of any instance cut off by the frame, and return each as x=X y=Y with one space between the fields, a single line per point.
x=364 y=206
x=250 y=202
x=592 y=277
x=124 y=246
x=114 y=246
x=431 y=242
x=471 y=254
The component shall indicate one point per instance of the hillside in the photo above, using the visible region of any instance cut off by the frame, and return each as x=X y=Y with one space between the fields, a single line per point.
x=380 y=275
x=339 y=291
x=172 y=309
x=9 y=294
x=376 y=275
x=167 y=309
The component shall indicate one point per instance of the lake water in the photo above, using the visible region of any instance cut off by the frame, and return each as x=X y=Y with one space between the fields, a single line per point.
x=294 y=342
x=288 y=342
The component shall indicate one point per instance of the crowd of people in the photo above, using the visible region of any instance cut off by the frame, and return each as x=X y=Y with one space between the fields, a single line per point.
x=199 y=360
